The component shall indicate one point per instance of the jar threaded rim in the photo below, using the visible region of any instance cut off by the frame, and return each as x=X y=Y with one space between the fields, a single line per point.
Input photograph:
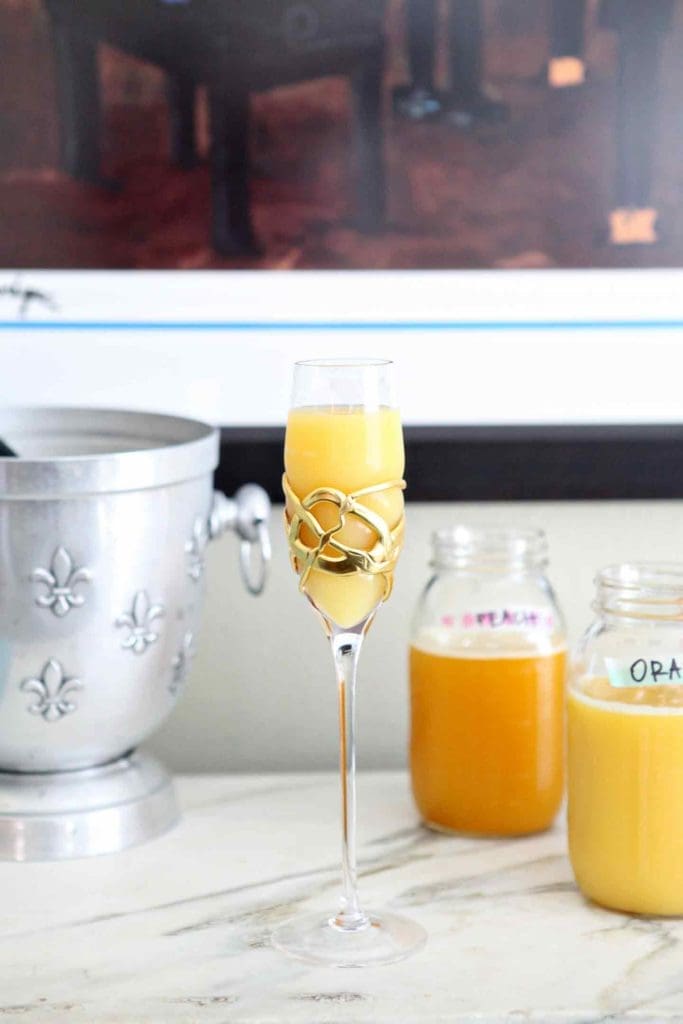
x=495 y=548
x=643 y=590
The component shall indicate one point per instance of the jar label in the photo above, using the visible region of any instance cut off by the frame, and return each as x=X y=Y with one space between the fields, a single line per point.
x=511 y=619
x=665 y=670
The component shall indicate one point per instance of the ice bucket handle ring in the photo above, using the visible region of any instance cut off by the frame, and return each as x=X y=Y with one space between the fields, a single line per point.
x=247 y=514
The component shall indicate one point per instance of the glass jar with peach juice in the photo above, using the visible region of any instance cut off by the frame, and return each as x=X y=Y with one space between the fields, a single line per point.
x=487 y=678
x=625 y=743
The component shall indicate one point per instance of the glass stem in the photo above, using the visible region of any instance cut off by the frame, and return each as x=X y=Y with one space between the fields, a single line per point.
x=346 y=647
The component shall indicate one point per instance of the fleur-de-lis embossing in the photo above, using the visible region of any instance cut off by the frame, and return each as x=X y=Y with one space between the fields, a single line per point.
x=181 y=664
x=52 y=690
x=138 y=621
x=195 y=548
x=61 y=579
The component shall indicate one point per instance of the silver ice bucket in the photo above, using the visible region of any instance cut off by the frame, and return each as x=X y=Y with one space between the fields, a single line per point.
x=104 y=521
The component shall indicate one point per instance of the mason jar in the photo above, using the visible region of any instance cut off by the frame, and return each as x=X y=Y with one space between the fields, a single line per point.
x=625 y=757
x=487 y=685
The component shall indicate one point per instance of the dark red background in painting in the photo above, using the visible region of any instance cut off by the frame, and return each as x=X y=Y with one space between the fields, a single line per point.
x=532 y=193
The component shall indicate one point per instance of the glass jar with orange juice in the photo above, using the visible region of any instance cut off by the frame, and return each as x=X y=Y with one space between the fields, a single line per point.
x=625 y=743
x=487 y=684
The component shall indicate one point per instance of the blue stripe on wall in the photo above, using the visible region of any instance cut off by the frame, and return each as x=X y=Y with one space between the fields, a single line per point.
x=336 y=325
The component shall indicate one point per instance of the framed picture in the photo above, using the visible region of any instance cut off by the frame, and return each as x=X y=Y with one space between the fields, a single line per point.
x=192 y=197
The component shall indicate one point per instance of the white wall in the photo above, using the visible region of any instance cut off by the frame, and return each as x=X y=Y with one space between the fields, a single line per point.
x=582 y=346
x=262 y=692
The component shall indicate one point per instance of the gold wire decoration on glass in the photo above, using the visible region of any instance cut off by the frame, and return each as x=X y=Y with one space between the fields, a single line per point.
x=329 y=553
x=344 y=519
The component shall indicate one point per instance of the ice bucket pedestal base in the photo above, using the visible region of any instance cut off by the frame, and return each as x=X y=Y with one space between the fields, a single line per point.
x=58 y=815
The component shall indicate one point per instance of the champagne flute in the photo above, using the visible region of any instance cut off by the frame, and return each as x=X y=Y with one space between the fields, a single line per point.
x=343 y=486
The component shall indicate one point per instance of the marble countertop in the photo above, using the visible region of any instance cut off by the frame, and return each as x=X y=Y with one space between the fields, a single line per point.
x=177 y=930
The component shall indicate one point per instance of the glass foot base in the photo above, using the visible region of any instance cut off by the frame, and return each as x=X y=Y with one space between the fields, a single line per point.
x=384 y=940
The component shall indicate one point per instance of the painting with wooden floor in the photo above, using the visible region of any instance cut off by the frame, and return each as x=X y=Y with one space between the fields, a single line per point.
x=340 y=134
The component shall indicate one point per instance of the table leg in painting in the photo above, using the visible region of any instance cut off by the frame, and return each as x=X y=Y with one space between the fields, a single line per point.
x=232 y=230
x=180 y=92
x=421 y=28
x=419 y=99
x=78 y=98
x=566 y=66
x=367 y=89
x=470 y=101
x=633 y=221
x=466 y=45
